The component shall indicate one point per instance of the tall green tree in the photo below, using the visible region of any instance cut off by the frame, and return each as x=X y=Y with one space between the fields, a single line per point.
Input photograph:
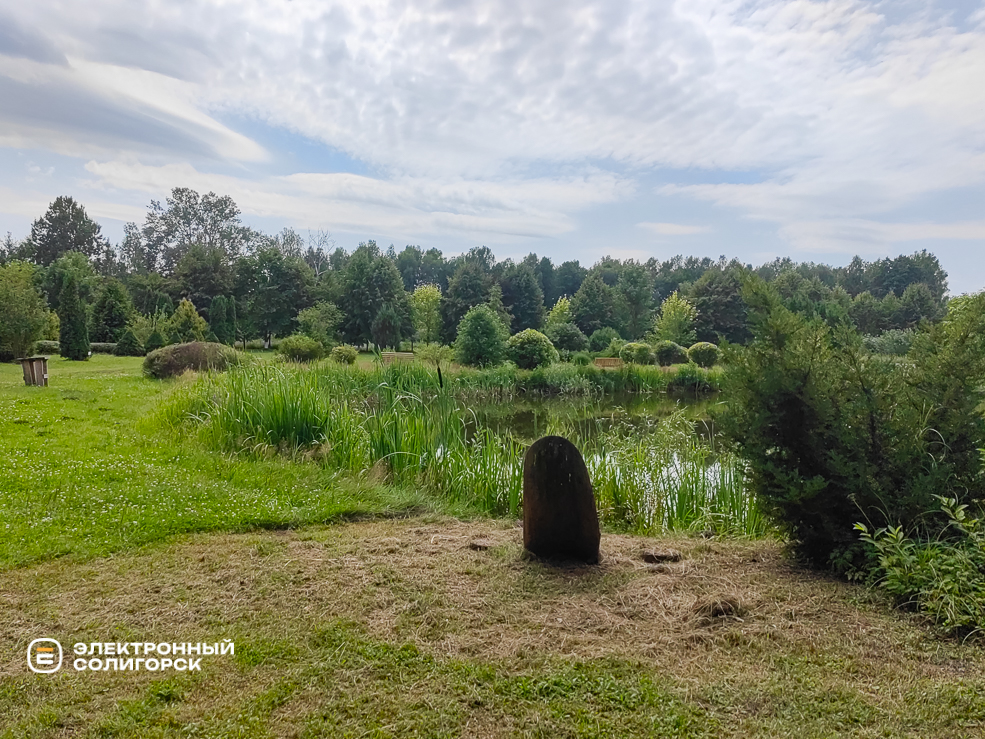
x=635 y=289
x=63 y=228
x=594 y=305
x=721 y=309
x=426 y=306
x=676 y=321
x=222 y=319
x=524 y=297
x=271 y=288
x=73 y=332
x=481 y=338
x=54 y=278
x=371 y=281
x=568 y=278
x=468 y=287
x=187 y=324
x=203 y=273
x=387 y=328
x=321 y=322
x=23 y=316
x=112 y=311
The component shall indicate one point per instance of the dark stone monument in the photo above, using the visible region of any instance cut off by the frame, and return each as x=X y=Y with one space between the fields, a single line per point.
x=560 y=520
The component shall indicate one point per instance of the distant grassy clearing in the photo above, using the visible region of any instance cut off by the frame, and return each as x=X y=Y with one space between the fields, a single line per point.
x=397 y=628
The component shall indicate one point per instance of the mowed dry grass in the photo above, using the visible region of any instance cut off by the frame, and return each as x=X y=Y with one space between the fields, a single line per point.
x=400 y=627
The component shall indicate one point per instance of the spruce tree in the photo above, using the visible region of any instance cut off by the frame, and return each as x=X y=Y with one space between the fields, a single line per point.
x=129 y=345
x=73 y=334
x=112 y=311
x=155 y=341
x=219 y=319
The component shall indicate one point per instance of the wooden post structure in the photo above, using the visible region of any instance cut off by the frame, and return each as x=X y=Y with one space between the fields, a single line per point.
x=35 y=370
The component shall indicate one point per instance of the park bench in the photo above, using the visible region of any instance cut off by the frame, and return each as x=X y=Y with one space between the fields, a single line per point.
x=608 y=362
x=391 y=357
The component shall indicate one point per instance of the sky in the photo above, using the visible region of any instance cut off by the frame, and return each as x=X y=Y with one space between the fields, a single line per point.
x=747 y=128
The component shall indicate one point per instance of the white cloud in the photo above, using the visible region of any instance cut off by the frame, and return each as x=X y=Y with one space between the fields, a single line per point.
x=496 y=116
x=672 y=229
x=406 y=205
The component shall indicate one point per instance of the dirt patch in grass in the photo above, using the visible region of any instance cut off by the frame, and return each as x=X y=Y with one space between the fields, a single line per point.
x=740 y=642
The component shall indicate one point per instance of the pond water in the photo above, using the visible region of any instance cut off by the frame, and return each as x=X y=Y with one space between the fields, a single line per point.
x=529 y=419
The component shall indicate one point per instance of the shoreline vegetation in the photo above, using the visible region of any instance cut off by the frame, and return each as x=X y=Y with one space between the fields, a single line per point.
x=396 y=425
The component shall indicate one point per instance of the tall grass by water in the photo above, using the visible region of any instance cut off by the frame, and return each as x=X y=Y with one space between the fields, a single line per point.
x=397 y=426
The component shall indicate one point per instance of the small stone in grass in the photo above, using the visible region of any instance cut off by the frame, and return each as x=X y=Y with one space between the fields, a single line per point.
x=652 y=556
x=481 y=545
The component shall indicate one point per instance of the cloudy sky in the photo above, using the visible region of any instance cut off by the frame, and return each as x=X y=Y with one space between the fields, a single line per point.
x=749 y=128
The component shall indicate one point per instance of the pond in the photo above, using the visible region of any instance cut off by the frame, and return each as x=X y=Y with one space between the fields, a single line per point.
x=584 y=418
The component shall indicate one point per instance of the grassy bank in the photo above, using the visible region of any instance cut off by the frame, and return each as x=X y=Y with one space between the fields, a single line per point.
x=83 y=474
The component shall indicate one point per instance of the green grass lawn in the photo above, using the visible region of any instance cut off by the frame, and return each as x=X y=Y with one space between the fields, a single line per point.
x=111 y=530
x=84 y=473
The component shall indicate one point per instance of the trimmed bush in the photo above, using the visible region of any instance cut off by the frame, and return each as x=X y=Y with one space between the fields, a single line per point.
x=530 y=348
x=299 y=348
x=703 y=354
x=129 y=345
x=344 y=354
x=668 y=353
x=481 y=338
x=566 y=336
x=102 y=347
x=172 y=360
x=46 y=347
x=636 y=353
x=601 y=339
x=581 y=359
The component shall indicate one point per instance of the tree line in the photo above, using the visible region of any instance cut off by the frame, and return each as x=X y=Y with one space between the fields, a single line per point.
x=193 y=269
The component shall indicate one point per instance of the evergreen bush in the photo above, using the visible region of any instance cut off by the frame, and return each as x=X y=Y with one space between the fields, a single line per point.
x=102 y=347
x=45 y=347
x=668 y=353
x=530 y=348
x=703 y=354
x=155 y=341
x=129 y=345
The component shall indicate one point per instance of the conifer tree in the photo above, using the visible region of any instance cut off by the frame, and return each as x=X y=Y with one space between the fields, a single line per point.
x=73 y=334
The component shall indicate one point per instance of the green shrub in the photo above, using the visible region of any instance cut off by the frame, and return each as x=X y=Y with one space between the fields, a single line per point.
x=530 y=348
x=155 y=341
x=102 y=347
x=581 y=359
x=832 y=434
x=566 y=336
x=690 y=378
x=945 y=579
x=46 y=347
x=129 y=345
x=703 y=354
x=344 y=354
x=175 y=359
x=636 y=353
x=600 y=340
x=481 y=338
x=299 y=348
x=668 y=353
x=896 y=342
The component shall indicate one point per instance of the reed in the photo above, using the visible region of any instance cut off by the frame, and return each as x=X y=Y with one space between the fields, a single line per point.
x=398 y=426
